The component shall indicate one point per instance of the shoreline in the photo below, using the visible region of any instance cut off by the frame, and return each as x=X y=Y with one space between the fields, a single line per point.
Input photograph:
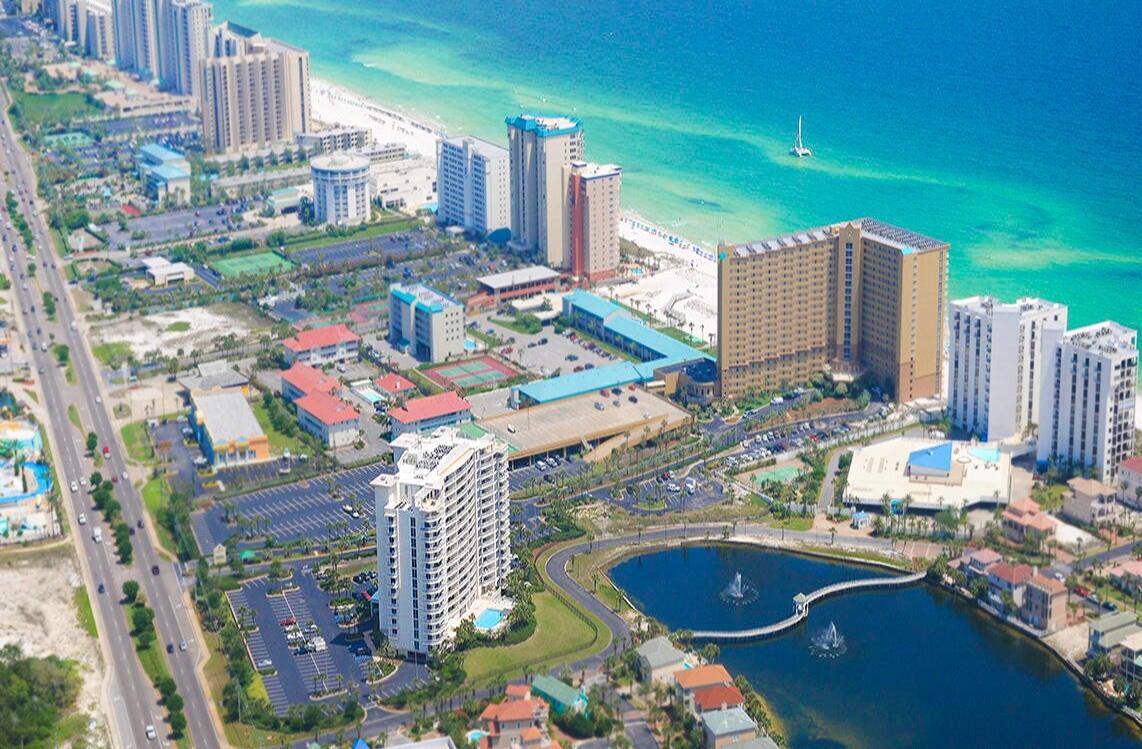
x=626 y=553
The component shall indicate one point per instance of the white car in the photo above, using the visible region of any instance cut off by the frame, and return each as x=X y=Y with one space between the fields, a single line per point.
x=151 y=732
x=124 y=475
x=83 y=518
x=74 y=487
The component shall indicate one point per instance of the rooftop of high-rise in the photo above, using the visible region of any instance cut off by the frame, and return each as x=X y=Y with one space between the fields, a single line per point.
x=592 y=170
x=423 y=461
x=477 y=145
x=545 y=126
x=905 y=240
x=1106 y=337
x=987 y=305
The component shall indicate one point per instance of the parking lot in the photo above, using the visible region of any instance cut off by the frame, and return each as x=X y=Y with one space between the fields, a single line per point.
x=355 y=251
x=544 y=471
x=559 y=353
x=664 y=494
x=173 y=225
x=339 y=663
x=306 y=509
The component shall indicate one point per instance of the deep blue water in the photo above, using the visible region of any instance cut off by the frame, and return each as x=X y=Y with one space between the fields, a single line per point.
x=1011 y=128
x=921 y=668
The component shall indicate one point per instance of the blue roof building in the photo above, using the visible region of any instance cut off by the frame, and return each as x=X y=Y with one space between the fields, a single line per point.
x=165 y=173
x=931 y=461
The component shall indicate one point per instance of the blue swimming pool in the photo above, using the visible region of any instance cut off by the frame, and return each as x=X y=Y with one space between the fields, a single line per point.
x=986 y=454
x=371 y=395
x=475 y=735
x=469 y=344
x=489 y=619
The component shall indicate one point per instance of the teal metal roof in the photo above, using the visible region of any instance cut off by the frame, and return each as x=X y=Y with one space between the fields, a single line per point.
x=556 y=690
x=596 y=306
x=539 y=124
x=649 y=338
x=162 y=154
x=579 y=383
x=168 y=173
x=728 y=722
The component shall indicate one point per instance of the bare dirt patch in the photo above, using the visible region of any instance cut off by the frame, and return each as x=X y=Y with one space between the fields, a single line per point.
x=186 y=329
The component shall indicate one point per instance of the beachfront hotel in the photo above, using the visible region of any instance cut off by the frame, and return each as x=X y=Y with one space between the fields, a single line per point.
x=184 y=43
x=997 y=362
x=136 y=37
x=443 y=543
x=539 y=148
x=856 y=297
x=593 y=203
x=472 y=185
x=425 y=323
x=255 y=91
x=1088 y=398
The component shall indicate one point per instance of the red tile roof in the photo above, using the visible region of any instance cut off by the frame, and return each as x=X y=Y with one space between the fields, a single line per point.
x=327 y=409
x=703 y=676
x=1012 y=574
x=330 y=335
x=531 y=733
x=1132 y=464
x=1049 y=584
x=393 y=383
x=518 y=691
x=309 y=379
x=1025 y=505
x=511 y=710
x=430 y=407
x=717 y=697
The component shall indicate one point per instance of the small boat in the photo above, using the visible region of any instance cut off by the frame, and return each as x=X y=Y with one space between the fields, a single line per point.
x=799 y=148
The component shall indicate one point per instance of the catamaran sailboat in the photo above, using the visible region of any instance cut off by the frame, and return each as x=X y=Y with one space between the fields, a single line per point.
x=799 y=148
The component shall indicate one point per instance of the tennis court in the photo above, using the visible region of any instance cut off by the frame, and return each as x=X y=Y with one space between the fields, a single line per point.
x=471 y=374
x=783 y=474
x=258 y=264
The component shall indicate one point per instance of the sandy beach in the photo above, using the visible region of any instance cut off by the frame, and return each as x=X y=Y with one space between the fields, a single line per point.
x=333 y=105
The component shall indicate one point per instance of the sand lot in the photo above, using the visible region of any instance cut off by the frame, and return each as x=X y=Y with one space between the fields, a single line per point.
x=38 y=613
x=186 y=329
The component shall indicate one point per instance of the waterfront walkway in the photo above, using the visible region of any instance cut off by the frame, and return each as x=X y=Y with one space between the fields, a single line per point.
x=801 y=604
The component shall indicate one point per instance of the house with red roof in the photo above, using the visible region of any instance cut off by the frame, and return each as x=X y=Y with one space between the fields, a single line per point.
x=717 y=697
x=331 y=344
x=1130 y=482
x=1045 y=603
x=517 y=722
x=1004 y=577
x=1024 y=522
x=301 y=380
x=330 y=419
x=394 y=386
x=428 y=413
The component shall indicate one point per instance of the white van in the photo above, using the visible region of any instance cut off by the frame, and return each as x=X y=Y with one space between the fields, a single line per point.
x=97 y=534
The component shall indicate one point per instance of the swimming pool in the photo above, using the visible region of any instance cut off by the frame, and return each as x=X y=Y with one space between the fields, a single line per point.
x=469 y=344
x=489 y=619
x=986 y=454
x=475 y=735
x=370 y=395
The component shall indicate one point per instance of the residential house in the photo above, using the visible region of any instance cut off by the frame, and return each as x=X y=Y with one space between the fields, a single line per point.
x=727 y=727
x=559 y=695
x=976 y=563
x=1045 y=603
x=690 y=680
x=393 y=386
x=509 y=717
x=1003 y=577
x=1091 y=502
x=1130 y=482
x=1024 y=523
x=720 y=697
x=1127 y=576
x=1107 y=632
x=1130 y=657
x=658 y=659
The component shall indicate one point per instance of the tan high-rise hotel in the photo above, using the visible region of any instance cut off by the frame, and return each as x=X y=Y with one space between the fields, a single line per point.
x=860 y=296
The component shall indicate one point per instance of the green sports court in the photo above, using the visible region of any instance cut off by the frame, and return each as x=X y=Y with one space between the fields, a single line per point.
x=259 y=264
x=471 y=374
x=781 y=474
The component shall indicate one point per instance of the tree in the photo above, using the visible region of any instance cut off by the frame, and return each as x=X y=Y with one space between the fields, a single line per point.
x=141 y=619
x=178 y=723
x=130 y=590
x=96 y=479
x=978 y=588
x=92 y=442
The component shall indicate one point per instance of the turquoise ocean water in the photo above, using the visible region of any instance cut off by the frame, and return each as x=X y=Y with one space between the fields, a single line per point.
x=1011 y=129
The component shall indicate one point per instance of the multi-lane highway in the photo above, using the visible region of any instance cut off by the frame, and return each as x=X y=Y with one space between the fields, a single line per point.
x=133 y=701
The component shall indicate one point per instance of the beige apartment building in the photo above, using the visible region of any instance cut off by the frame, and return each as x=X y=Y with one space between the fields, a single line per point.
x=255 y=91
x=856 y=297
x=593 y=203
x=538 y=150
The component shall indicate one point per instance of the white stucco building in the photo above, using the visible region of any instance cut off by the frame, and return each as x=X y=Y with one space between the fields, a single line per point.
x=472 y=185
x=1088 y=399
x=539 y=148
x=997 y=363
x=443 y=542
x=342 y=194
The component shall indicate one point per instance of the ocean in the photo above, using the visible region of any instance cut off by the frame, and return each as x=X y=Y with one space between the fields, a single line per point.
x=1011 y=129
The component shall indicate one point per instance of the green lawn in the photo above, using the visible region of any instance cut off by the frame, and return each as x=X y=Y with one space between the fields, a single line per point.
x=559 y=633
x=372 y=230
x=516 y=326
x=73 y=416
x=84 y=613
x=489 y=340
x=178 y=326
x=680 y=335
x=155 y=493
x=278 y=441
x=138 y=442
x=112 y=354
x=793 y=523
x=39 y=109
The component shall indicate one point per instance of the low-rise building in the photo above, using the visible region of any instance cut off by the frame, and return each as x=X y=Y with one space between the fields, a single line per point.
x=216 y=375
x=1127 y=576
x=1107 y=632
x=406 y=185
x=723 y=728
x=1130 y=657
x=165 y=173
x=1003 y=577
x=331 y=344
x=162 y=272
x=519 y=283
x=330 y=419
x=658 y=659
x=1130 y=482
x=427 y=413
x=334 y=139
x=976 y=563
x=1091 y=502
x=687 y=681
x=394 y=386
x=1024 y=523
x=558 y=694
x=226 y=428
x=519 y=722
x=719 y=697
x=301 y=379
x=1045 y=603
